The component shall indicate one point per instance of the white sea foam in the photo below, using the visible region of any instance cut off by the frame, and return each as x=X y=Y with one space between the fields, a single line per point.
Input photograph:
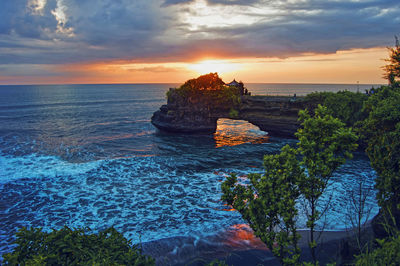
x=136 y=195
x=34 y=166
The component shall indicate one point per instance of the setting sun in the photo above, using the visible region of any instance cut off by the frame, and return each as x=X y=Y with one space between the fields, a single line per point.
x=220 y=66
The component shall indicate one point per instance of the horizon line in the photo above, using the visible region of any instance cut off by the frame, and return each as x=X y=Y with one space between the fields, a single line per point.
x=144 y=83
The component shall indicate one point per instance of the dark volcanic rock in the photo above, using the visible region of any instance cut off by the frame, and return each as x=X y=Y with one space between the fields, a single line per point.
x=385 y=221
x=275 y=115
x=183 y=120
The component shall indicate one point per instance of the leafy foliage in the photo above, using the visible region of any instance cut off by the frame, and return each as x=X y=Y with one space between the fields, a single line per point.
x=208 y=88
x=382 y=130
x=325 y=144
x=205 y=82
x=392 y=69
x=345 y=105
x=233 y=113
x=387 y=254
x=268 y=203
x=201 y=85
x=74 y=247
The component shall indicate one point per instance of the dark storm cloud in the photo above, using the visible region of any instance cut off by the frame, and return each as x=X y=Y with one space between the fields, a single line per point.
x=17 y=18
x=312 y=27
x=68 y=31
x=92 y=30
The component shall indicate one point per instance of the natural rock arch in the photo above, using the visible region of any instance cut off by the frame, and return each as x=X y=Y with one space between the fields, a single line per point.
x=275 y=115
x=196 y=106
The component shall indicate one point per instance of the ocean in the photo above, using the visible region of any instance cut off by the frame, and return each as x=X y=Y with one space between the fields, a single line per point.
x=88 y=156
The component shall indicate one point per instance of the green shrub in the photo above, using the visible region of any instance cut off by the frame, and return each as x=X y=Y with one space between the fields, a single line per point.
x=387 y=254
x=381 y=129
x=217 y=263
x=200 y=85
x=269 y=201
x=233 y=113
x=345 y=105
x=74 y=247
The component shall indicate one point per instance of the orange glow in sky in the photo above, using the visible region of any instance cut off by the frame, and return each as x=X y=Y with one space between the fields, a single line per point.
x=220 y=66
x=363 y=65
x=350 y=67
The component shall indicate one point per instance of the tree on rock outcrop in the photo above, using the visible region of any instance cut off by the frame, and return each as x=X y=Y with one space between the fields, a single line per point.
x=208 y=89
x=205 y=82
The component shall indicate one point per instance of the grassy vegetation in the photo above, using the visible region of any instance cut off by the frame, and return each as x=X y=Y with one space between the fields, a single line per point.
x=388 y=253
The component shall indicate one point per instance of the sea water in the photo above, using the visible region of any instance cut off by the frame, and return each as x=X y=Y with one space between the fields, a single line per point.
x=88 y=156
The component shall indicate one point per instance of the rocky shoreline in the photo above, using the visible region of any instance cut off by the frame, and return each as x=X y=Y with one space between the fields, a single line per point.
x=239 y=246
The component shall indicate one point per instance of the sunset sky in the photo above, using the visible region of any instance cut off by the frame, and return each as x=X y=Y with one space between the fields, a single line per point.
x=152 y=41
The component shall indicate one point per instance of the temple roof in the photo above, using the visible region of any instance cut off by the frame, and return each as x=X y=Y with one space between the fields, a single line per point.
x=233 y=83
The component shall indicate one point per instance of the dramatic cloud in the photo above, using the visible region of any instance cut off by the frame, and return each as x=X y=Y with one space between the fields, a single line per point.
x=285 y=28
x=73 y=31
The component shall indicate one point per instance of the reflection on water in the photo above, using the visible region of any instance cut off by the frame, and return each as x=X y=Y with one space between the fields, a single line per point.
x=235 y=132
x=229 y=208
x=242 y=236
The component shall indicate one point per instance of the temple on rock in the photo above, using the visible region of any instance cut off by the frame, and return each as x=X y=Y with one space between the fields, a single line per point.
x=240 y=85
x=235 y=83
x=196 y=106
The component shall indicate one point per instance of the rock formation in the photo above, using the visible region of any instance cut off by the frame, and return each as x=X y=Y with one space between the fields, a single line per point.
x=199 y=110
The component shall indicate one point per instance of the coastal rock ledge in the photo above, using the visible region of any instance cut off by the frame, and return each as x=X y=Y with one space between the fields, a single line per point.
x=195 y=108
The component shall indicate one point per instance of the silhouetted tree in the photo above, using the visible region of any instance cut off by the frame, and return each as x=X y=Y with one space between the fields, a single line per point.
x=392 y=70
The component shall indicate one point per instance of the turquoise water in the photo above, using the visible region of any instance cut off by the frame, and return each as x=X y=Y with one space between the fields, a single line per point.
x=88 y=156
